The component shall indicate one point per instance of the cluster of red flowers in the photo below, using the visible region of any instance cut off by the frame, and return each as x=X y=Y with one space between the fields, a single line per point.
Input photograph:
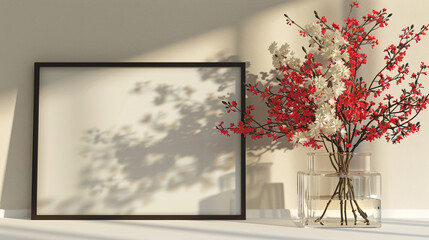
x=365 y=110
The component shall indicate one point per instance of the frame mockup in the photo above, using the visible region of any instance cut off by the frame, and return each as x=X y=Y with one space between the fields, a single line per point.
x=136 y=140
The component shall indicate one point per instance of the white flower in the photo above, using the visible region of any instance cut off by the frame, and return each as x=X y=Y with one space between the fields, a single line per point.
x=314 y=29
x=314 y=130
x=339 y=70
x=293 y=62
x=283 y=56
x=300 y=137
x=284 y=49
x=337 y=124
x=320 y=82
x=336 y=54
x=329 y=48
x=339 y=89
x=333 y=41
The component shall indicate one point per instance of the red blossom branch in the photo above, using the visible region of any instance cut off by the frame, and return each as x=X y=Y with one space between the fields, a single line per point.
x=294 y=100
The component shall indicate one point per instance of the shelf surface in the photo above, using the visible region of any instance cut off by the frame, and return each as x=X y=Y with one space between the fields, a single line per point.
x=260 y=229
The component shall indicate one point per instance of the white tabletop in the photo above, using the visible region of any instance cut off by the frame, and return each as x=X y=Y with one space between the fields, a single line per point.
x=254 y=229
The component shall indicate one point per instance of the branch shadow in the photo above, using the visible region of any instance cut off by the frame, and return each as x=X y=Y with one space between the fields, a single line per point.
x=170 y=149
x=173 y=149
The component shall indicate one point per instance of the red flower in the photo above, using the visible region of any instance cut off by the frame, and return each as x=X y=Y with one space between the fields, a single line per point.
x=292 y=102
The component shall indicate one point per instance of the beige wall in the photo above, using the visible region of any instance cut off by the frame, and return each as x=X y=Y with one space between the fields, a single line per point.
x=189 y=30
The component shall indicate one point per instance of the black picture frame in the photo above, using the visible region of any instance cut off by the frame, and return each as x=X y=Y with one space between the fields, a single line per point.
x=38 y=66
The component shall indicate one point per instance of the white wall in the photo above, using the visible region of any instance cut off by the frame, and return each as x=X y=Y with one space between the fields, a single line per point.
x=189 y=30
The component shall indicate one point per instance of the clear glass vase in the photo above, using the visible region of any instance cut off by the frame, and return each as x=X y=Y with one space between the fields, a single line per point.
x=339 y=190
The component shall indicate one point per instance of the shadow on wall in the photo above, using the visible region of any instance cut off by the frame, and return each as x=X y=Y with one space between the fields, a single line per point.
x=261 y=193
x=131 y=168
x=101 y=30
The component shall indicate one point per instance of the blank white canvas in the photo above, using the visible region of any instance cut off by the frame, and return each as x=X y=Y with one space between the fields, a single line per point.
x=137 y=141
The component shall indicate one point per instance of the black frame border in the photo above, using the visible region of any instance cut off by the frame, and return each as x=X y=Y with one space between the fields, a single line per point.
x=38 y=65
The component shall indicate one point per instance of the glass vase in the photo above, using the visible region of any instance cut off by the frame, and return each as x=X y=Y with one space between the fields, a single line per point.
x=339 y=190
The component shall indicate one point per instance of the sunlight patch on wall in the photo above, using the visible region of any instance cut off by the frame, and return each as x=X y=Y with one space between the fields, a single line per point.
x=204 y=47
x=270 y=25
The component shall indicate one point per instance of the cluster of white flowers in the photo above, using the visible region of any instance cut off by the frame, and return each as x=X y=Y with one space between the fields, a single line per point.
x=284 y=56
x=331 y=42
x=326 y=45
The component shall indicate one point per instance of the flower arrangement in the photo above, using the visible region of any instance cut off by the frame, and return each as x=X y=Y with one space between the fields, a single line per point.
x=322 y=101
